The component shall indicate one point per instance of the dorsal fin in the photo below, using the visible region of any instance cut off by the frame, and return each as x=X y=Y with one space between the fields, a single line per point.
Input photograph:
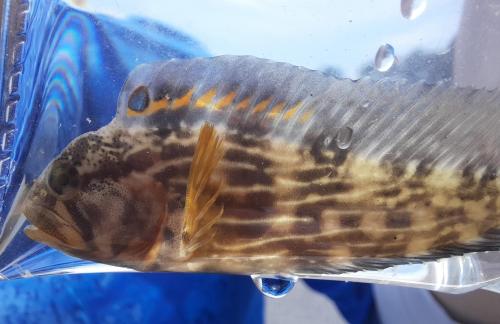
x=392 y=119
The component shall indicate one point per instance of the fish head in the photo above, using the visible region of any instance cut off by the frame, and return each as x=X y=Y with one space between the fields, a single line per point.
x=95 y=203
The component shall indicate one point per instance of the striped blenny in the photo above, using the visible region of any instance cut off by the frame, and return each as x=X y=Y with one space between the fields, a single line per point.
x=242 y=165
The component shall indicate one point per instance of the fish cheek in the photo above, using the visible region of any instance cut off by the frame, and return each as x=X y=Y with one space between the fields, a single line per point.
x=142 y=215
x=118 y=219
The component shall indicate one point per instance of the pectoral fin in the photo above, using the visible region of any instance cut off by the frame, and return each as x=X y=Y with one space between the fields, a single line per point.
x=201 y=211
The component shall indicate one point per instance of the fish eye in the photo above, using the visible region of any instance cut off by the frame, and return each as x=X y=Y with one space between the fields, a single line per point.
x=62 y=179
x=139 y=99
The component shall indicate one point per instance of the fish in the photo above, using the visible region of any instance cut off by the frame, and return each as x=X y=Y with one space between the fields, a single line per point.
x=239 y=164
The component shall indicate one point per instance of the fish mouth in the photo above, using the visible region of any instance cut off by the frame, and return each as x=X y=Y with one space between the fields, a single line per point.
x=35 y=212
x=48 y=227
x=42 y=216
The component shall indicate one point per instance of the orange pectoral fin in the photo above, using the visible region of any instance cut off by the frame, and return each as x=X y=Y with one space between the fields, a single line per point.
x=202 y=211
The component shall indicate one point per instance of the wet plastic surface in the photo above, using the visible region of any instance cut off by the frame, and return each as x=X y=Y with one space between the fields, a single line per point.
x=66 y=65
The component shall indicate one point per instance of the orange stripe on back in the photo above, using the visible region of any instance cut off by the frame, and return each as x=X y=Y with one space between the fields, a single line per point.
x=225 y=101
x=157 y=105
x=262 y=105
x=206 y=99
x=306 y=116
x=154 y=106
x=276 y=110
x=243 y=104
x=292 y=111
x=183 y=101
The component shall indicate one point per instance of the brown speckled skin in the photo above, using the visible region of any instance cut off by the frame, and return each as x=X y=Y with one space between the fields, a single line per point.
x=293 y=200
x=283 y=211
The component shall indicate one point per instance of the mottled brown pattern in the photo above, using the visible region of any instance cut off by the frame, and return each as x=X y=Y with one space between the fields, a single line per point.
x=317 y=151
x=243 y=177
x=446 y=239
x=293 y=199
x=415 y=183
x=405 y=193
x=141 y=160
x=323 y=189
x=173 y=151
x=447 y=213
x=309 y=175
x=397 y=169
x=340 y=157
x=382 y=250
x=327 y=210
x=241 y=155
x=398 y=219
x=179 y=171
x=84 y=223
x=244 y=141
x=490 y=174
x=251 y=201
x=423 y=169
x=235 y=233
x=388 y=192
x=252 y=195
x=351 y=220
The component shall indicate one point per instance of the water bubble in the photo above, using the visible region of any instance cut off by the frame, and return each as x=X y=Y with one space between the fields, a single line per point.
x=411 y=9
x=344 y=138
x=274 y=286
x=385 y=58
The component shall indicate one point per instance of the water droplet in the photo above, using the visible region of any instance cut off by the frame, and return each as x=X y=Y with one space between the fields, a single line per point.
x=344 y=138
x=411 y=9
x=385 y=58
x=274 y=286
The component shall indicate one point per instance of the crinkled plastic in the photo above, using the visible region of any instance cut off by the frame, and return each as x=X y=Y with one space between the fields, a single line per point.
x=65 y=63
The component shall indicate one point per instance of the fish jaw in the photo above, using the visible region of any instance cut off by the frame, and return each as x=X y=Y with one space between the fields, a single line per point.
x=120 y=223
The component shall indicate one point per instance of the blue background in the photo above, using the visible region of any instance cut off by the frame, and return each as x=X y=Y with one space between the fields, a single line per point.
x=159 y=298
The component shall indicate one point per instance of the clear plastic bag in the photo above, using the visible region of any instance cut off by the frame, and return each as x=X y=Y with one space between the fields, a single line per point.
x=66 y=62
